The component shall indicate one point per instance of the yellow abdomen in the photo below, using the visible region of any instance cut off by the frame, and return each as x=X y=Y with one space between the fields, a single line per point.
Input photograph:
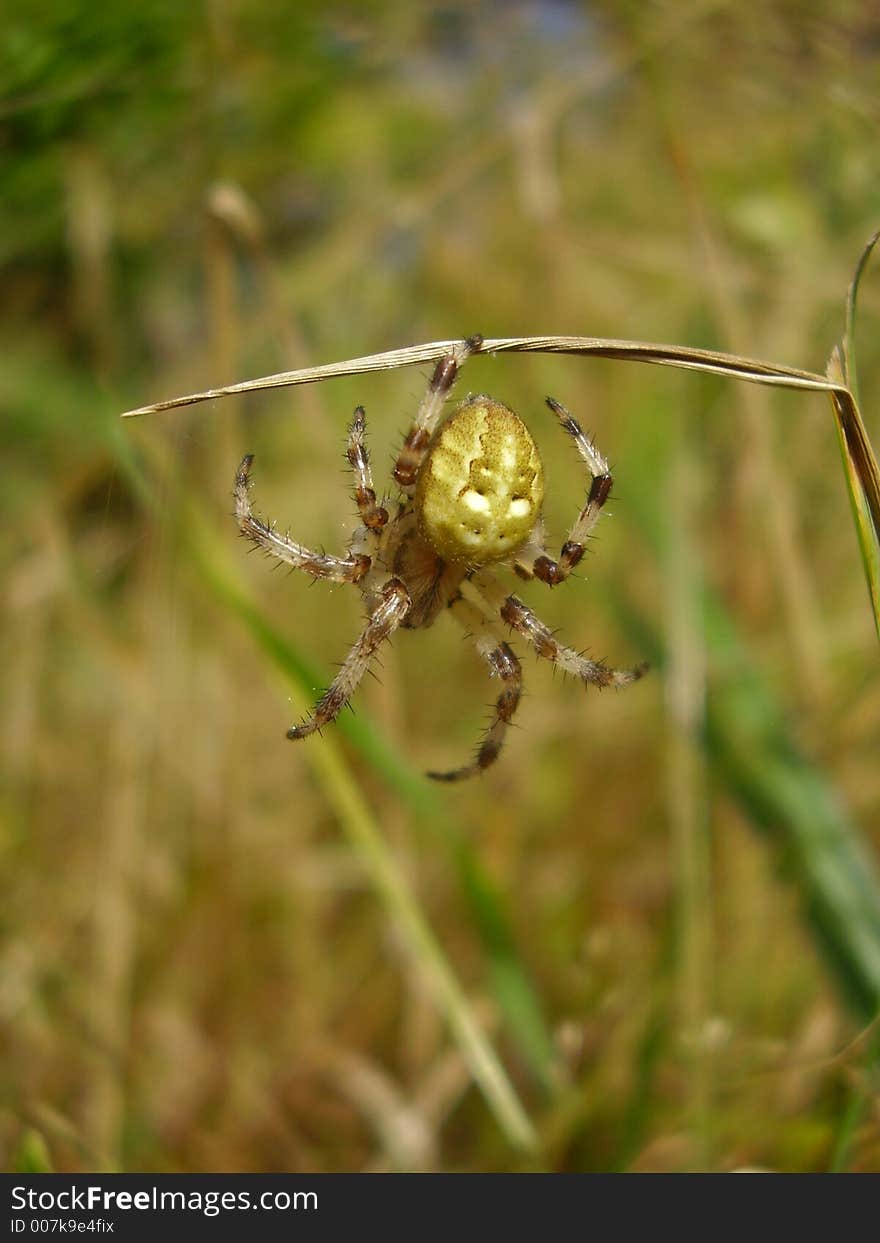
x=481 y=487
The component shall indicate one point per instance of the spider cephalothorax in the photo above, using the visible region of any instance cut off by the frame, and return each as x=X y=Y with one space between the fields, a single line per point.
x=472 y=487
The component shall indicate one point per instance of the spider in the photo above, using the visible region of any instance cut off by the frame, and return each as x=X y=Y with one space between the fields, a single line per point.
x=472 y=486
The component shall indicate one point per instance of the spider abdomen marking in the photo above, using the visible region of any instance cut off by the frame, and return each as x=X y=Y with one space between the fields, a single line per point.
x=481 y=487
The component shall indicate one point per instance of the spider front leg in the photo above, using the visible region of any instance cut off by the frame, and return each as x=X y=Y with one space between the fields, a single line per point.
x=521 y=618
x=415 y=446
x=372 y=515
x=533 y=558
x=393 y=606
x=350 y=569
x=503 y=663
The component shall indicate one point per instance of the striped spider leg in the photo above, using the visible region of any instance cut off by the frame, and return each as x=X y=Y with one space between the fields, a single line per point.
x=504 y=664
x=391 y=600
x=532 y=560
x=394 y=604
x=472 y=490
x=541 y=639
x=373 y=516
x=350 y=569
x=430 y=412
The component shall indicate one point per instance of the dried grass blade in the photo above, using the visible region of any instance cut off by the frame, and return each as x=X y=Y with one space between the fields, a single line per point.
x=687 y=358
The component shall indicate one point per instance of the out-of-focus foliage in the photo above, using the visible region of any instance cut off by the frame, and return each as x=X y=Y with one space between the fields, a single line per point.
x=196 y=970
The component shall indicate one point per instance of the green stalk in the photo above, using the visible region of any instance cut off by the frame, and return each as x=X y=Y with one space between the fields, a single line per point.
x=515 y=992
x=859 y=462
x=366 y=838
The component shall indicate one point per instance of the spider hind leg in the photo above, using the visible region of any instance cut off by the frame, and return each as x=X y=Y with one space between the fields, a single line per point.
x=392 y=608
x=541 y=638
x=504 y=664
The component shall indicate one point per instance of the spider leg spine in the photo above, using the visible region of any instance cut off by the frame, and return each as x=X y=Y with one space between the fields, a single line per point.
x=373 y=515
x=417 y=439
x=551 y=572
x=387 y=617
x=524 y=621
x=504 y=664
x=263 y=535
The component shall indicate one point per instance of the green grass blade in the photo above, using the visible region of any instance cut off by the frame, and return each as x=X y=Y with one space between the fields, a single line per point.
x=859 y=461
x=862 y=1093
x=366 y=837
x=515 y=994
x=784 y=794
x=793 y=802
x=32 y=1155
x=863 y=486
x=849 y=339
x=511 y=986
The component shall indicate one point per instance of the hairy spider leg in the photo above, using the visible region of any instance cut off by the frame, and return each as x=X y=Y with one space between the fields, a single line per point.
x=415 y=445
x=349 y=569
x=394 y=603
x=540 y=637
x=503 y=663
x=533 y=557
x=373 y=516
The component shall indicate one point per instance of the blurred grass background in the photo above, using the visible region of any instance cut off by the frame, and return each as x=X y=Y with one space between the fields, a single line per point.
x=660 y=907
